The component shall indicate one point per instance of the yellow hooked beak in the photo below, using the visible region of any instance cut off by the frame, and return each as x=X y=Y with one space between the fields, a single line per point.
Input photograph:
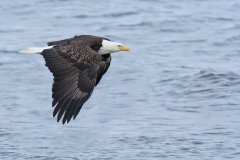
x=124 y=48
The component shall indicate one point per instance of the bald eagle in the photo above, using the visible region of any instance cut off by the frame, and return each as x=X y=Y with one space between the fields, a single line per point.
x=77 y=65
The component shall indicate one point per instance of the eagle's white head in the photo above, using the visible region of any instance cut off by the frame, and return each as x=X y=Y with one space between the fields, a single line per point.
x=110 y=47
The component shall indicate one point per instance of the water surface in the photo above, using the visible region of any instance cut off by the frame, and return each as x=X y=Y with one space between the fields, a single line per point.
x=177 y=96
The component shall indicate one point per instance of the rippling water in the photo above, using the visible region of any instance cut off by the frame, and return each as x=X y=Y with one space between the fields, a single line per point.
x=177 y=96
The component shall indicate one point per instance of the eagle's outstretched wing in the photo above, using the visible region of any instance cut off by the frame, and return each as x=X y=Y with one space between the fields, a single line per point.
x=75 y=72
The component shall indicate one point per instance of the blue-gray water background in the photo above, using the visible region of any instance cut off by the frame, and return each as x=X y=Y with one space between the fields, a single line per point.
x=176 y=96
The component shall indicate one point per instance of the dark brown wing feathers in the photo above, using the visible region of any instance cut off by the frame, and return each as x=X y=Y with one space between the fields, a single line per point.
x=76 y=71
x=103 y=67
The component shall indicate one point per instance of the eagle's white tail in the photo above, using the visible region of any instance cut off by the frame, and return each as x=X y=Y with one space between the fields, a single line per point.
x=34 y=50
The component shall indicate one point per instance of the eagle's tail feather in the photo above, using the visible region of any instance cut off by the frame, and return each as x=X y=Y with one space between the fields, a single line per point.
x=34 y=50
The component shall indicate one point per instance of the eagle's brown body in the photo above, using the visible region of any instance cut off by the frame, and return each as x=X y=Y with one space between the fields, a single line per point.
x=77 y=68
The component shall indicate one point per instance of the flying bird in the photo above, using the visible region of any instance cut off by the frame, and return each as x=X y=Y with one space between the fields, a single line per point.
x=77 y=65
